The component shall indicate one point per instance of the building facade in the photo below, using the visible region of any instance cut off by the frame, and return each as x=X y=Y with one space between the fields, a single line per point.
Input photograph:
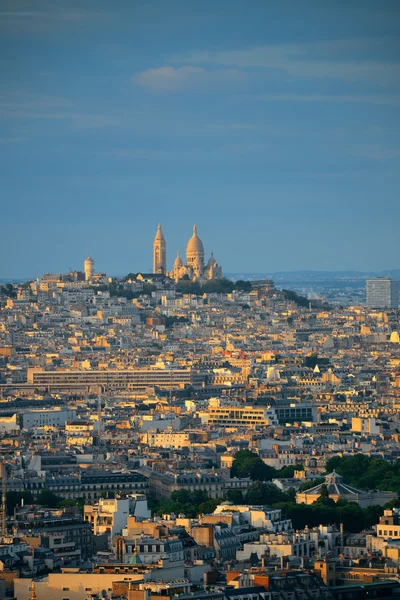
x=382 y=292
x=159 y=253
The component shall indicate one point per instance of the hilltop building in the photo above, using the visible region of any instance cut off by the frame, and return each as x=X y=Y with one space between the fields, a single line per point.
x=196 y=269
x=88 y=267
x=159 y=253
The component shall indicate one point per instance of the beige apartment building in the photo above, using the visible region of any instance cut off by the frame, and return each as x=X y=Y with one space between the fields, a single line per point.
x=167 y=439
x=389 y=525
x=108 y=380
x=71 y=585
x=241 y=416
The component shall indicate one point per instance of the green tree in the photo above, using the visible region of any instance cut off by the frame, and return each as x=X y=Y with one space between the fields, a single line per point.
x=14 y=499
x=264 y=494
x=311 y=361
x=249 y=464
x=367 y=473
x=218 y=286
x=324 y=492
x=72 y=503
x=189 y=287
x=288 y=472
x=208 y=506
x=186 y=502
x=307 y=485
x=296 y=298
x=235 y=496
x=49 y=499
x=243 y=286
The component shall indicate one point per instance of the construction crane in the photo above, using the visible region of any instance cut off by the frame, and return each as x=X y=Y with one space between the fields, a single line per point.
x=3 y=509
x=99 y=416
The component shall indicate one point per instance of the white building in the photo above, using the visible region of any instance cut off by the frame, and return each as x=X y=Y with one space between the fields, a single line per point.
x=158 y=422
x=57 y=417
x=9 y=424
x=257 y=516
x=167 y=439
x=138 y=506
x=365 y=425
x=108 y=516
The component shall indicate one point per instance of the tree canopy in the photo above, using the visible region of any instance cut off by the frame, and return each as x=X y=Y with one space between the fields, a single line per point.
x=8 y=290
x=45 y=498
x=249 y=464
x=326 y=512
x=367 y=473
x=243 y=286
x=186 y=502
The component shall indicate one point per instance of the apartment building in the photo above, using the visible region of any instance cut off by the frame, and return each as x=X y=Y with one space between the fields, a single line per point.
x=389 y=525
x=112 y=380
x=64 y=529
x=56 y=417
x=167 y=439
x=241 y=416
x=95 y=484
x=163 y=484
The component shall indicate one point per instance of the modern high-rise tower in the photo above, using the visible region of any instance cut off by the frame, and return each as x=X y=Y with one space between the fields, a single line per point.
x=159 y=252
x=88 y=266
x=382 y=292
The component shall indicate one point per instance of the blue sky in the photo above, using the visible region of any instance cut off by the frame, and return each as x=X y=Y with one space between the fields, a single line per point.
x=272 y=125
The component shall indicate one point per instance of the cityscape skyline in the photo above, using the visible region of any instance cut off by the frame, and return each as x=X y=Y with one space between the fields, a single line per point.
x=199 y=300
x=276 y=132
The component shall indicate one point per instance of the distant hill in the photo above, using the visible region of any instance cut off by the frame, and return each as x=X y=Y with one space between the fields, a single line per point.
x=16 y=281
x=316 y=276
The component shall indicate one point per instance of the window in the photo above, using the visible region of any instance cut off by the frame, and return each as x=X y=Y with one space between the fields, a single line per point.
x=65 y=589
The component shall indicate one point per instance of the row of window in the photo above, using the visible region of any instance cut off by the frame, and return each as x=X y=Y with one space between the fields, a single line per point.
x=388 y=533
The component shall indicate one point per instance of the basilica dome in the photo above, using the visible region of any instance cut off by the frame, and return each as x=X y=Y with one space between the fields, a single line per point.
x=195 y=245
x=178 y=261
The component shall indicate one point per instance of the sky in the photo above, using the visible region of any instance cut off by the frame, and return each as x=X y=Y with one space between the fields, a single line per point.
x=272 y=125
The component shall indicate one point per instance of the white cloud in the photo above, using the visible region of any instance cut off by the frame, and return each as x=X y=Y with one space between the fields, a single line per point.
x=169 y=78
x=388 y=100
x=23 y=105
x=301 y=60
